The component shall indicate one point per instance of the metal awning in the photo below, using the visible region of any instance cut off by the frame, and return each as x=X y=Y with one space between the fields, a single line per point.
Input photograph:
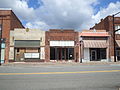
x=95 y=43
x=27 y=43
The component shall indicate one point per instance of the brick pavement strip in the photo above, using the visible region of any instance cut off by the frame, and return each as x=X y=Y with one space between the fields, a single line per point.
x=59 y=63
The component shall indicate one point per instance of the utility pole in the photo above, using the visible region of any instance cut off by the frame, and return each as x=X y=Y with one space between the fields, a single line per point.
x=81 y=50
x=114 y=39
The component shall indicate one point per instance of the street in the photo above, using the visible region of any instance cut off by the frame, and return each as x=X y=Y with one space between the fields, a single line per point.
x=61 y=77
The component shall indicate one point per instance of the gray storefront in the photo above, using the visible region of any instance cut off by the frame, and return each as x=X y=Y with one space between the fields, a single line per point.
x=27 y=50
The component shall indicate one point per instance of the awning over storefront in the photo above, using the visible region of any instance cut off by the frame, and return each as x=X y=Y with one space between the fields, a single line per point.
x=95 y=43
x=27 y=43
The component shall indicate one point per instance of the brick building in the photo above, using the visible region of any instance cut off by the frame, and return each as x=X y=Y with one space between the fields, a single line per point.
x=27 y=45
x=8 y=21
x=107 y=24
x=62 y=45
x=23 y=44
x=94 y=45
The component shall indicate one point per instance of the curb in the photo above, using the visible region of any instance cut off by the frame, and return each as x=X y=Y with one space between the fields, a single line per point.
x=60 y=63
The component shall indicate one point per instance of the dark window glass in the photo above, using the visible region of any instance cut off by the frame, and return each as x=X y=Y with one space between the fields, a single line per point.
x=94 y=38
x=52 y=53
x=96 y=54
x=61 y=53
x=17 y=49
x=103 y=53
x=71 y=53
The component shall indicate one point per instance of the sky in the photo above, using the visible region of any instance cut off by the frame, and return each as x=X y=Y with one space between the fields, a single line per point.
x=61 y=14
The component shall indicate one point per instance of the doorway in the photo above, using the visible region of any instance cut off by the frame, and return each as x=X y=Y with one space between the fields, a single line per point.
x=93 y=55
x=97 y=54
x=118 y=54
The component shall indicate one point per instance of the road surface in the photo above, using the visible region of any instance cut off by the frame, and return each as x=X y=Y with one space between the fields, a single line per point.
x=61 y=77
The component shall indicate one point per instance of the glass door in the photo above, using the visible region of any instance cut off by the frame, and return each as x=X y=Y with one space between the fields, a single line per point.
x=93 y=55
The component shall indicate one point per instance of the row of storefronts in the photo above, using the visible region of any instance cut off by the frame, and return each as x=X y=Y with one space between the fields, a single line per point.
x=20 y=44
x=36 y=45
x=32 y=45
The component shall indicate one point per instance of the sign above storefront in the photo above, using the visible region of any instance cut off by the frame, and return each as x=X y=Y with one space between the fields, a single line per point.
x=61 y=43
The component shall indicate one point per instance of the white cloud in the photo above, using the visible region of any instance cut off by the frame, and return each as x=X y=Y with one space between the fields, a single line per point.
x=111 y=9
x=37 y=25
x=20 y=7
x=73 y=14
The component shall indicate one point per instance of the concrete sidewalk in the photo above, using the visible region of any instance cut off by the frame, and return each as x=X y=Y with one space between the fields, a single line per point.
x=59 y=63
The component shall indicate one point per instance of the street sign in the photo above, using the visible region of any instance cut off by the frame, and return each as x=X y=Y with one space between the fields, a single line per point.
x=3 y=45
x=2 y=55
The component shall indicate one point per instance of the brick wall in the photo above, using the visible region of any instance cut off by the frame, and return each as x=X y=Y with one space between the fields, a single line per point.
x=107 y=24
x=61 y=35
x=9 y=22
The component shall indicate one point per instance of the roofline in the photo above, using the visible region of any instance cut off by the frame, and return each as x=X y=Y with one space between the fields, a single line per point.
x=17 y=18
x=5 y=9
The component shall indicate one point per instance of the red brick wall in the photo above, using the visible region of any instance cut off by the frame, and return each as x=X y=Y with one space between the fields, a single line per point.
x=15 y=22
x=59 y=35
x=107 y=24
x=102 y=25
x=9 y=22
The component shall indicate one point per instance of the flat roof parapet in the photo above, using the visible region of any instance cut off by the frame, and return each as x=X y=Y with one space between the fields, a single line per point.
x=5 y=9
x=61 y=30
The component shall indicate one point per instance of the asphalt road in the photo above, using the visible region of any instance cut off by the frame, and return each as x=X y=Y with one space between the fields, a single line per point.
x=95 y=77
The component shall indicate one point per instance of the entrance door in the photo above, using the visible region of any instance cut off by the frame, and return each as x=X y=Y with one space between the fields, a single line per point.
x=19 y=54
x=118 y=54
x=63 y=54
x=93 y=55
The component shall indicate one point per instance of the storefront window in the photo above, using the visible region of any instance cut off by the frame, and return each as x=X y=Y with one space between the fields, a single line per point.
x=70 y=53
x=61 y=53
x=103 y=53
x=96 y=54
x=52 y=53
x=117 y=27
x=118 y=54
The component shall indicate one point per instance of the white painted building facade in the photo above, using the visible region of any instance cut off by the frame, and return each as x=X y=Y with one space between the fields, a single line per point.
x=27 y=45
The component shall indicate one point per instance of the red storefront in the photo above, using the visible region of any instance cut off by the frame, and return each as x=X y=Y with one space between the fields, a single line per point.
x=62 y=45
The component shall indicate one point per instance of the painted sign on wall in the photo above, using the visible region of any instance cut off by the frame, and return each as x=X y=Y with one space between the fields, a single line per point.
x=31 y=55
